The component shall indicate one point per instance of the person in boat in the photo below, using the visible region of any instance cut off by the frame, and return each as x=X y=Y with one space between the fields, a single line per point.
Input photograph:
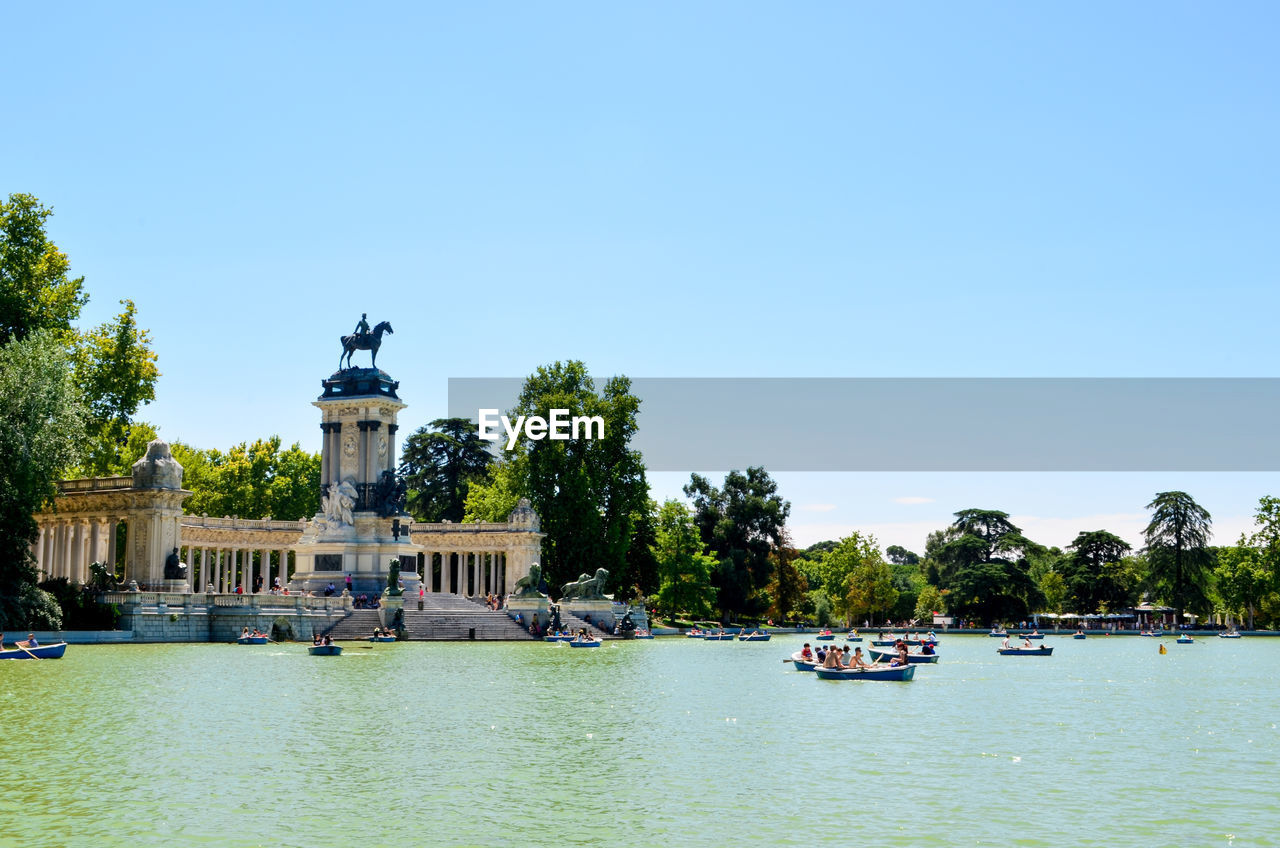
x=927 y=649
x=806 y=652
x=858 y=661
x=821 y=655
x=832 y=659
x=1026 y=643
x=328 y=640
x=1004 y=643
x=316 y=640
x=30 y=642
x=1079 y=633
x=1034 y=632
x=244 y=634
x=846 y=657
x=902 y=653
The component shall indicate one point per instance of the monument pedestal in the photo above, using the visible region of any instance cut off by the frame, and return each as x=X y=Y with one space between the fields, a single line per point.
x=534 y=608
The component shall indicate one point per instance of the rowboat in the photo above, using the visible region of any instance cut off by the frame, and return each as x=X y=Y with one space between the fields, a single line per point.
x=1039 y=651
x=252 y=640
x=825 y=637
x=754 y=637
x=1032 y=635
x=853 y=637
x=324 y=650
x=642 y=636
x=888 y=643
x=1077 y=635
x=718 y=637
x=898 y=672
x=999 y=634
x=554 y=638
x=1232 y=635
x=585 y=643
x=382 y=638
x=885 y=656
x=1185 y=640
x=802 y=664
x=40 y=652
x=695 y=634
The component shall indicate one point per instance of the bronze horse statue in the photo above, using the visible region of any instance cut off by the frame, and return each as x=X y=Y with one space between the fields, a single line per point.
x=364 y=341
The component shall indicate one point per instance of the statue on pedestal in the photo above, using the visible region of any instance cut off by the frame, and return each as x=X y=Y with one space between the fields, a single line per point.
x=527 y=586
x=363 y=339
x=394 y=589
x=174 y=568
x=340 y=503
x=390 y=493
x=586 y=587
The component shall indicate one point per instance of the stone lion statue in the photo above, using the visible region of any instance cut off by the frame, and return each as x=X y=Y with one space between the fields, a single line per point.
x=527 y=586
x=586 y=586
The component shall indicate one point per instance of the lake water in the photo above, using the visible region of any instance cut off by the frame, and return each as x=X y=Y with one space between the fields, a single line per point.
x=667 y=742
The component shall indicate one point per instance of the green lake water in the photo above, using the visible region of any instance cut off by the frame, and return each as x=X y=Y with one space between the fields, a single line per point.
x=667 y=742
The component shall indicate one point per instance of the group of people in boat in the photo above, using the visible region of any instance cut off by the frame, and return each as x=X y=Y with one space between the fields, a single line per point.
x=326 y=639
x=255 y=633
x=383 y=632
x=834 y=657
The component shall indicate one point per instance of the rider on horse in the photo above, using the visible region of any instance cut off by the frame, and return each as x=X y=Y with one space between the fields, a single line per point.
x=362 y=327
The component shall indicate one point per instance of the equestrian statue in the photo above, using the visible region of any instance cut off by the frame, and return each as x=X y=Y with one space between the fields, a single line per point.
x=363 y=339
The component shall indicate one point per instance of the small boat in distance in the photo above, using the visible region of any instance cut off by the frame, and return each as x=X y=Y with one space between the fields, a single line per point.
x=825 y=636
x=1038 y=651
x=878 y=655
x=1079 y=634
x=251 y=640
x=324 y=650
x=1229 y=634
x=584 y=643
x=758 y=636
x=1034 y=634
x=999 y=634
x=1185 y=639
x=52 y=651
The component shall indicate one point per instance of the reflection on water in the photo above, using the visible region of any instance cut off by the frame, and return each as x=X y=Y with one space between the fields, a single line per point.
x=667 y=741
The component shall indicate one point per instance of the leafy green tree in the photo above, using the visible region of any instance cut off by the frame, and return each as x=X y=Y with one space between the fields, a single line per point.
x=439 y=463
x=1084 y=571
x=1177 y=539
x=1054 y=589
x=588 y=492
x=1243 y=579
x=684 y=570
x=116 y=370
x=743 y=521
x=41 y=429
x=251 y=480
x=788 y=588
x=871 y=589
x=928 y=604
x=1267 y=537
x=898 y=555
x=36 y=290
x=982 y=565
x=493 y=498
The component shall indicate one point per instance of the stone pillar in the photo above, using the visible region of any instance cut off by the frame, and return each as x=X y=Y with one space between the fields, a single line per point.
x=37 y=551
x=266 y=570
x=390 y=464
x=113 y=529
x=284 y=567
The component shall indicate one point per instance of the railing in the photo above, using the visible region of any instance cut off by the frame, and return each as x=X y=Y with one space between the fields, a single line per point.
x=94 y=484
x=262 y=600
x=243 y=523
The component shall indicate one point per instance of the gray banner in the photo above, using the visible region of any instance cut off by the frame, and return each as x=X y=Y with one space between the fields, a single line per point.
x=924 y=424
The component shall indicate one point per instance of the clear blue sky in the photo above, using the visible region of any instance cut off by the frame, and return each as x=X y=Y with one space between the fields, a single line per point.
x=679 y=189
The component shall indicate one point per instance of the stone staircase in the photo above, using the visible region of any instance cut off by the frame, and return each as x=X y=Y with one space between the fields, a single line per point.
x=572 y=622
x=354 y=626
x=450 y=617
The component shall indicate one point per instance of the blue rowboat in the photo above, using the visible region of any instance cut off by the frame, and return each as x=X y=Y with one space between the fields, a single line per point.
x=825 y=637
x=382 y=638
x=756 y=637
x=40 y=652
x=853 y=637
x=589 y=643
x=557 y=638
x=324 y=650
x=1040 y=651
x=1077 y=635
x=695 y=635
x=888 y=643
x=1228 y=635
x=718 y=637
x=1032 y=635
x=913 y=659
x=252 y=640
x=1185 y=640
x=999 y=634
x=898 y=672
x=802 y=664
x=643 y=636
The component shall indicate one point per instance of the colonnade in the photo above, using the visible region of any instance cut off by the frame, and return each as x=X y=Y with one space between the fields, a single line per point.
x=223 y=568
x=65 y=547
x=478 y=572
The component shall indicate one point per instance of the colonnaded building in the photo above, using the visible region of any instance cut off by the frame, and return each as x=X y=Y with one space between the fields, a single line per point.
x=203 y=578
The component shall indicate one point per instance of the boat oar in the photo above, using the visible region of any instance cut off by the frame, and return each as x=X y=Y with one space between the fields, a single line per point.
x=23 y=648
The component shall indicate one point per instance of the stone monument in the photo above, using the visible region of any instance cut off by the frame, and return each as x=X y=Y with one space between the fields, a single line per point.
x=154 y=525
x=358 y=528
x=586 y=599
x=527 y=600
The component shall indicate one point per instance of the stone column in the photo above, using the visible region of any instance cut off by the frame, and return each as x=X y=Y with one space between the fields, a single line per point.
x=446 y=585
x=284 y=567
x=266 y=570
x=390 y=464
x=191 y=568
x=37 y=551
x=76 y=549
x=113 y=529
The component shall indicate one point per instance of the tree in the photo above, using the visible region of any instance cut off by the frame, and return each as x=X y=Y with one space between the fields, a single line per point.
x=982 y=565
x=1054 y=589
x=788 y=588
x=41 y=428
x=871 y=590
x=1178 y=550
x=898 y=555
x=36 y=292
x=116 y=370
x=251 y=480
x=928 y=604
x=588 y=492
x=439 y=463
x=1085 y=574
x=493 y=498
x=1242 y=578
x=683 y=569
x=743 y=521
